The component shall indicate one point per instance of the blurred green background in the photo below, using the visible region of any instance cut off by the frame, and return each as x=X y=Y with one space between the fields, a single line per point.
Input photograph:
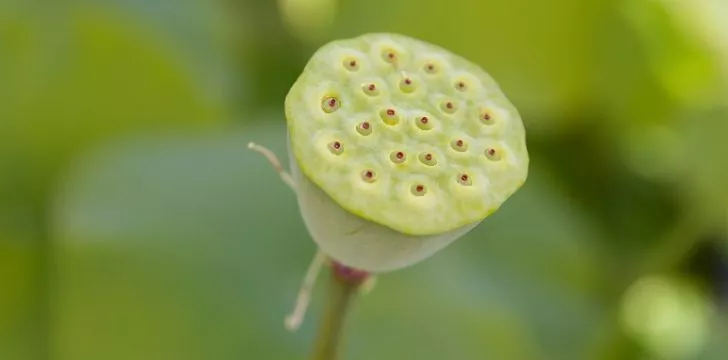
x=135 y=224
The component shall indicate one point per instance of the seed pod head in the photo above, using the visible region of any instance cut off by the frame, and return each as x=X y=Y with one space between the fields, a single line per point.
x=441 y=150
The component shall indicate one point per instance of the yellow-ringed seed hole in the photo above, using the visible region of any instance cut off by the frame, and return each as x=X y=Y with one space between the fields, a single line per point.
x=430 y=68
x=448 y=107
x=407 y=85
x=364 y=128
x=330 y=104
x=351 y=64
x=390 y=55
x=368 y=176
x=370 y=89
x=459 y=145
x=398 y=157
x=336 y=147
x=389 y=116
x=418 y=190
x=465 y=179
x=461 y=85
x=487 y=117
x=493 y=154
x=427 y=159
x=423 y=122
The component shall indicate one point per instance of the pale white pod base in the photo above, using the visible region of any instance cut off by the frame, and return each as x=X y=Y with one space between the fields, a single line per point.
x=360 y=243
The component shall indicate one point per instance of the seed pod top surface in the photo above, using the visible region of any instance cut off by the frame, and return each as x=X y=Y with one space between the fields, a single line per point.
x=405 y=134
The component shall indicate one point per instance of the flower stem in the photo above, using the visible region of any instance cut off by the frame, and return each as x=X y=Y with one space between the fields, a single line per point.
x=343 y=288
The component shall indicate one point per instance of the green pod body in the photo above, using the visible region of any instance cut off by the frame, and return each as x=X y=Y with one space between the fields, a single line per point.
x=399 y=147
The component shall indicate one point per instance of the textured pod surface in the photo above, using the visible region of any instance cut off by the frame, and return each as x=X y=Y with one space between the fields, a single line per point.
x=405 y=134
x=358 y=242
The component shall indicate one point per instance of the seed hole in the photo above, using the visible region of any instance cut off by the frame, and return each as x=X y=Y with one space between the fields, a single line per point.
x=459 y=145
x=368 y=176
x=464 y=179
x=397 y=157
x=424 y=123
x=427 y=159
x=407 y=86
x=370 y=89
x=389 y=116
x=430 y=68
x=461 y=86
x=364 y=128
x=487 y=117
x=390 y=56
x=492 y=154
x=448 y=107
x=330 y=104
x=336 y=147
x=418 y=190
x=351 y=64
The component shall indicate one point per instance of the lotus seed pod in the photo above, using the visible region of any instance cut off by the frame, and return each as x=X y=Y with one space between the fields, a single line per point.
x=399 y=147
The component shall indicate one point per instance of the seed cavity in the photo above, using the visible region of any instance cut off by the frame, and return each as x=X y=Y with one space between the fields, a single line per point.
x=423 y=122
x=464 y=179
x=492 y=154
x=461 y=85
x=390 y=55
x=487 y=117
x=364 y=128
x=370 y=89
x=389 y=116
x=368 y=176
x=459 y=145
x=427 y=159
x=407 y=85
x=398 y=157
x=330 y=104
x=448 y=107
x=351 y=64
x=430 y=68
x=336 y=147
x=418 y=190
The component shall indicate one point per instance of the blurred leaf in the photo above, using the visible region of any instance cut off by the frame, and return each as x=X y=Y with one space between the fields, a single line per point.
x=18 y=301
x=704 y=21
x=202 y=35
x=662 y=89
x=74 y=74
x=685 y=68
x=668 y=315
x=308 y=20
x=537 y=258
x=84 y=73
x=187 y=235
x=654 y=69
x=718 y=344
x=542 y=53
x=705 y=184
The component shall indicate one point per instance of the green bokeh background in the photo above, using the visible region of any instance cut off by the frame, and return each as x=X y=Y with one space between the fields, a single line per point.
x=135 y=224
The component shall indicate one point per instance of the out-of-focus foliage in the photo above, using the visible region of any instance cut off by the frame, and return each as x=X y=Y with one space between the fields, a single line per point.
x=546 y=62
x=76 y=73
x=135 y=224
x=669 y=315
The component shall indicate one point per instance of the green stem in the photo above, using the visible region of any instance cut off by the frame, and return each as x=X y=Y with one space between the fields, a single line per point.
x=343 y=288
